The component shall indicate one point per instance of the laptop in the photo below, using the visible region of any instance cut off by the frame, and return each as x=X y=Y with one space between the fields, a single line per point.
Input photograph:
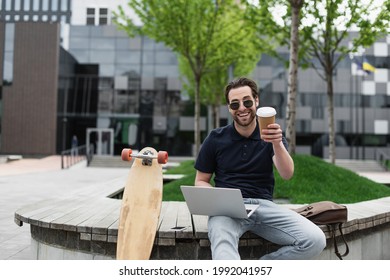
x=210 y=201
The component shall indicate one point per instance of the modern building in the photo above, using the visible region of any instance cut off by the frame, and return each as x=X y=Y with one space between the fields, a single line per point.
x=67 y=70
x=29 y=59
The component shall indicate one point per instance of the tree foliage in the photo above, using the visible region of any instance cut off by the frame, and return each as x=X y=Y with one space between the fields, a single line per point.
x=208 y=35
x=281 y=20
x=324 y=30
x=327 y=35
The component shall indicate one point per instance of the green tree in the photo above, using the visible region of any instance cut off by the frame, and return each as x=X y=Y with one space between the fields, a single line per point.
x=199 y=31
x=327 y=34
x=324 y=29
x=212 y=87
x=239 y=59
x=283 y=32
x=296 y=6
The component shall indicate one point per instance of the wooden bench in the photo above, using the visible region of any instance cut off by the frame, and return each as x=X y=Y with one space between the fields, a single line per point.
x=89 y=224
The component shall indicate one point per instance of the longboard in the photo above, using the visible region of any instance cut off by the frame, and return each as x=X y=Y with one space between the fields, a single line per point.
x=141 y=204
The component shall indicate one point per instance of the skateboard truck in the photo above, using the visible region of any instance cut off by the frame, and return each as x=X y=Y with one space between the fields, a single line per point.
x=147 y=156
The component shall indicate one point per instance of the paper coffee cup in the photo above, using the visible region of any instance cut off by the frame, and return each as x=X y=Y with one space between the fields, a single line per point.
x=266 y=116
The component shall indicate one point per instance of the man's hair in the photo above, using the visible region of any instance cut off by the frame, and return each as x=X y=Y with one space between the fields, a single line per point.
x=241 y=82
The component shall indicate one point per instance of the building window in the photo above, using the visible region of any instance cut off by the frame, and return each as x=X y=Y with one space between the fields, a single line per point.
x=342 y=100
x=93 y=18
x=8 y=5
x=103 y=16
x=45 y=5
x=317 y=113
x=8 y=66
x=343 y=126
x=26 y=5
x=35 y=5
x=54 y=5
x=17 y=5
x=90 y=16
x=64 y=6
x=303 y=126
x=36 y=10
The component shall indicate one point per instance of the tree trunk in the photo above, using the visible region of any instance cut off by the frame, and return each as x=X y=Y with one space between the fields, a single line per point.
x=210 y=118
x=217 y=114
x=332 y=144
x=292 y=77
x=197 y=116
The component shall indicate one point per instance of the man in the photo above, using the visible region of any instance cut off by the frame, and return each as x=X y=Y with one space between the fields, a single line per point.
x=239 y=158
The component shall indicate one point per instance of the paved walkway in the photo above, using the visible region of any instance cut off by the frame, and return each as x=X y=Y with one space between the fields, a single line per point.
x=31 y=180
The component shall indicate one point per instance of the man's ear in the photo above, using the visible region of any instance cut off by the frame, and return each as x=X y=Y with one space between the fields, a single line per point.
x=257 y=102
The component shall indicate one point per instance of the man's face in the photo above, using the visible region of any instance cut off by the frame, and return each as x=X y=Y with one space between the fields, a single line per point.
x=240 y=98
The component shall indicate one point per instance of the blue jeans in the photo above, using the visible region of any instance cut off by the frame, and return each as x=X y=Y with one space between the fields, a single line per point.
x=299 y=237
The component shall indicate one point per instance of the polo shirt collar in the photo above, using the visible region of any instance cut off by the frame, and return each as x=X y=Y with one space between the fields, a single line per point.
x=237 y=136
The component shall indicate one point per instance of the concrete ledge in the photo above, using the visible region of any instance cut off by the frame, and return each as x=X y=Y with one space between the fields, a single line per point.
x=86 y=227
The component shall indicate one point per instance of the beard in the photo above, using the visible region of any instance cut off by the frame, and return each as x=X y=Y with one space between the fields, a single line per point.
x=244 y=118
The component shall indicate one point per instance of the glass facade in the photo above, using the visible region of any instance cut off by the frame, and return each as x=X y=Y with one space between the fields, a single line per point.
x=133 y=85
x=138 y=88
x=139 y=85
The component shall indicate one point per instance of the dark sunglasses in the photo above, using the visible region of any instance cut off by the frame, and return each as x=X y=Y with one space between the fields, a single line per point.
x=235 y=105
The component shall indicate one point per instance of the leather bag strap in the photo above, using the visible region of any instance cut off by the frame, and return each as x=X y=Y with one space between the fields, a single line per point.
x=332 y=229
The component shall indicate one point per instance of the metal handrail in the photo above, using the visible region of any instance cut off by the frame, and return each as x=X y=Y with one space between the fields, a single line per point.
x=75 y=155
x=383 y=159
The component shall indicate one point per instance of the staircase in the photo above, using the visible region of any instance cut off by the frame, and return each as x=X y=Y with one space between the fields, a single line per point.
x=360 y=165
x=117 y=162
x=109 y=162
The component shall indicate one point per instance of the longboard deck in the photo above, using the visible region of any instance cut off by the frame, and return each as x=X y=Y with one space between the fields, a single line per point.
x=140 y=211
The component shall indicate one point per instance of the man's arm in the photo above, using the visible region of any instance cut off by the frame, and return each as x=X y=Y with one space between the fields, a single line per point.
x=282 y=159
x=203 y=179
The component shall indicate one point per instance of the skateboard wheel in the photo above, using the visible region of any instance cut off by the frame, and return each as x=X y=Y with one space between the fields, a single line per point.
x=162 y=157
x=126 y=154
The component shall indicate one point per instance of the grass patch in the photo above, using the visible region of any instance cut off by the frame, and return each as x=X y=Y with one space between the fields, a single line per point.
x=314 y=180
x=172 y=190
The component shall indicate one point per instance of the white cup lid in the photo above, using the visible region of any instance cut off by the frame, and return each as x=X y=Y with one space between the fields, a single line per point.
x=266 y=112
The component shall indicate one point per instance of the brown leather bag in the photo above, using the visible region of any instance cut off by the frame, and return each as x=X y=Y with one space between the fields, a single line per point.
x=332 y=215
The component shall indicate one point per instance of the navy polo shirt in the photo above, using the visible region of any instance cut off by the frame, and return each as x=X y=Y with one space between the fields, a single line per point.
x=239 y=162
